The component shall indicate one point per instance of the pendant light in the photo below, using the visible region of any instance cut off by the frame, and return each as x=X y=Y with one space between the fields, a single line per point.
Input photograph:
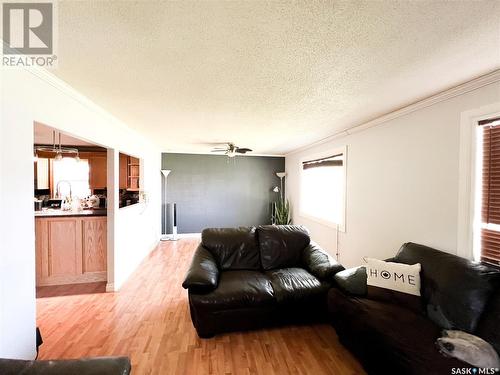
x=57 y=149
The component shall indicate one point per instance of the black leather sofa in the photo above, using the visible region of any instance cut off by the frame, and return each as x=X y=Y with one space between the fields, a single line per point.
x=86 y=366
x=246 y=278
x=388 y=338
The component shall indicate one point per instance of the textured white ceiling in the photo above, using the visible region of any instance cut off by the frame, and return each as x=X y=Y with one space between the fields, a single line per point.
x=272 y=76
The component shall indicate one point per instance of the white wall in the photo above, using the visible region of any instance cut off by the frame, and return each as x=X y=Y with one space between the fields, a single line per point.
x=402 y=181
x=29 y=97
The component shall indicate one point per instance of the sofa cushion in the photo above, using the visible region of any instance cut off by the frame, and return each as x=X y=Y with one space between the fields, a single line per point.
x=281 y=245
x=455 y=290
x=352 y=281
x=388 y=337
x=319 y=262
x=233 y=248
x=238 y=289
x=296 y=284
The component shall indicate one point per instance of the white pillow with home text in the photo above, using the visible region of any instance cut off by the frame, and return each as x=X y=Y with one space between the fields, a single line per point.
x=400 y=277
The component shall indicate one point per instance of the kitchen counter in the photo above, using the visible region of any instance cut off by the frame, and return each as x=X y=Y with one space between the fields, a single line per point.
x=70 y=247
x=63 y=213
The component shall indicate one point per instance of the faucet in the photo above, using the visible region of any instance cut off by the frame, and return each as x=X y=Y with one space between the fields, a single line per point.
x=58 y=191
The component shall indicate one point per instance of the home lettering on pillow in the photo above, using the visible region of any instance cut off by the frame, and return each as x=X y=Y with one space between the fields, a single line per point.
x=403 y=278
x=387 y=275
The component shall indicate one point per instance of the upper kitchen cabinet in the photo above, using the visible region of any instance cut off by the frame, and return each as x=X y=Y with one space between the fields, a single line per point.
x=97 y=170
x=123 y=171
x=130 y=180
x=42 y=170
x=134 y=173
x=130 y=173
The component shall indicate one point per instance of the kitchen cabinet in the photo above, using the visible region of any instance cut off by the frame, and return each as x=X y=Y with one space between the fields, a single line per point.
x=42 y=173
x=123 y=171
x=133 y=174
x=98 y=171
x=98 y=168
x=70 y=250
x=129 y=172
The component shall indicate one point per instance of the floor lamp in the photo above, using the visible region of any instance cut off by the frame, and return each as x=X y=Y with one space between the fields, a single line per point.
x=281 y=175
x=165 y=236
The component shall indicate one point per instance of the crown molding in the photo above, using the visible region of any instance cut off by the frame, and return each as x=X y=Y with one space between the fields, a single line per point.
x=444 y=95
x=219 y=154
x=66 y=89
x=69 y=91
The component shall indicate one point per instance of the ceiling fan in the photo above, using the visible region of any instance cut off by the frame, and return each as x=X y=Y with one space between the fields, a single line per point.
x=231 y=150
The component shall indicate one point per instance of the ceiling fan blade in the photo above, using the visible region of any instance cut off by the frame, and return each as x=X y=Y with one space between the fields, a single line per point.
x=221 y=150
x=243 y=150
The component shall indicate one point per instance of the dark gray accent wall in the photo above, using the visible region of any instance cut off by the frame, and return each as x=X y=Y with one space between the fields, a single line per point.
x=217 y=191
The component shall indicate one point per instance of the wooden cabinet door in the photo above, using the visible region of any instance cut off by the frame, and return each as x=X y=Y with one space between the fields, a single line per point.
x=58 y=248
x=98 y=172
x=63 y=248
x=123 y=171
x=94 y=232
x=42 y=173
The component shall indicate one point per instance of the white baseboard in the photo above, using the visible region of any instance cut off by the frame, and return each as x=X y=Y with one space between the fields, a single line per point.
x=180 y=235
x=110 y=287
x=189 y=235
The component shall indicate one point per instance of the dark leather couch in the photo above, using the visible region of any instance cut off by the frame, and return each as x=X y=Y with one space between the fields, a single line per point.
x=246 y=278
x=87 y=366
x=390 y=338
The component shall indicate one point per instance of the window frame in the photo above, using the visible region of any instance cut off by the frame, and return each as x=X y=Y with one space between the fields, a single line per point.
x=53 y=162
x=323 y=154
x=470 y=163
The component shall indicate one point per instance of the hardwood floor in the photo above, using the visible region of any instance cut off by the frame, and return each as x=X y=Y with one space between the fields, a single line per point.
x=148 y=320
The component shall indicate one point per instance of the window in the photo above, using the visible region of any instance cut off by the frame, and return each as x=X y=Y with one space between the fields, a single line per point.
x=489 y=135
x=322 y=196
x=70 y=173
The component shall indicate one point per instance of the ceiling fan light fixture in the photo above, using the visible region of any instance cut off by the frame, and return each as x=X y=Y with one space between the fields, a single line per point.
x=232 y=150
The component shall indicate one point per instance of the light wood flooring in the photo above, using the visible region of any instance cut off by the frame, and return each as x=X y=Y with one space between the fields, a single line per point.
x=148 y=320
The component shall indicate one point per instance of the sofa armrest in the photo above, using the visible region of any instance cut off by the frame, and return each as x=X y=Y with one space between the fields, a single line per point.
x=352 y=281
x=319 y=263
x=97 y=365
x=203 y=274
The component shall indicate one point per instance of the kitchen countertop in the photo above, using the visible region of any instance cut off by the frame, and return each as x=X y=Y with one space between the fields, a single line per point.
x=61 y=213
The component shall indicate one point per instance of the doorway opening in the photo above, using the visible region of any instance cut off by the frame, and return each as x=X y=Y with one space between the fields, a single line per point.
x=71 y=214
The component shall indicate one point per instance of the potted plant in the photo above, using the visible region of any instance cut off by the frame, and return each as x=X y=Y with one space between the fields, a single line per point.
x=281 y=214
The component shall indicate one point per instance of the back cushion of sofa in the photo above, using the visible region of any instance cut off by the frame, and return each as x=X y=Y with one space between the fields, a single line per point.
x=281 y=246
x=233 y=248
x=489 y=325
x=455 y=290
